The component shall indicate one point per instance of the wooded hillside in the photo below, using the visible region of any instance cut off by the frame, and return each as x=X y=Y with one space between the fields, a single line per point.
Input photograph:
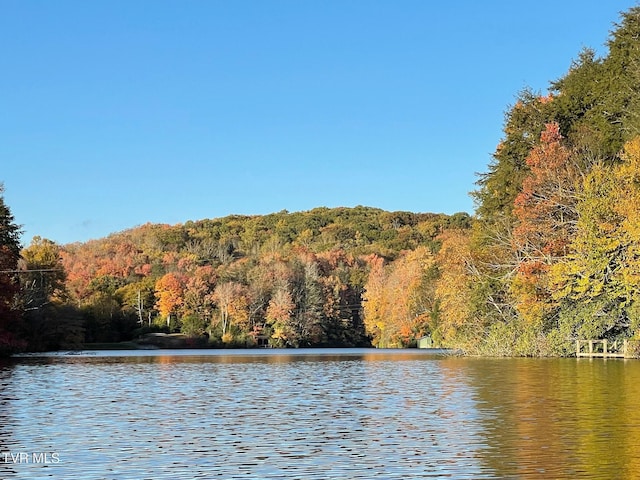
x=288 y=279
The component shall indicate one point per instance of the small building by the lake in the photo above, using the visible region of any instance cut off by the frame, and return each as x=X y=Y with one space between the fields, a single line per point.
x=425 y=342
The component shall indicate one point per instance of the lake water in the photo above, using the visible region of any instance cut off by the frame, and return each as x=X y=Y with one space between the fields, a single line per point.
x=316 y=414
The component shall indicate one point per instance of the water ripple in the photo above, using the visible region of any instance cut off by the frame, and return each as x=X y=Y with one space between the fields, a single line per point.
x=308 y=418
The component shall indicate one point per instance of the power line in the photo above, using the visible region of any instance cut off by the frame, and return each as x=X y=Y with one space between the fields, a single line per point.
x=32 y=271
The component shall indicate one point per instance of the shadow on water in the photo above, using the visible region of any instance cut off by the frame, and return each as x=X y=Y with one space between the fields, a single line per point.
x=271 y=355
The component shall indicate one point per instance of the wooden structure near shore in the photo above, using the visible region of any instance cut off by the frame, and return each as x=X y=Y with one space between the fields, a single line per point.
x=606 y=349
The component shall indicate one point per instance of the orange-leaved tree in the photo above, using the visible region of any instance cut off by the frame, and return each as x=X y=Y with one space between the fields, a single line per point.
x=546 y=215
x=169 y=294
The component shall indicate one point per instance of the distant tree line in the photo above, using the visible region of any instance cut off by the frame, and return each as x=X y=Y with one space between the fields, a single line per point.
x=285 y=280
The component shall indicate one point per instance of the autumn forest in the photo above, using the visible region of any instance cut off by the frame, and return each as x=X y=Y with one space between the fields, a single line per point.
x=551 y=254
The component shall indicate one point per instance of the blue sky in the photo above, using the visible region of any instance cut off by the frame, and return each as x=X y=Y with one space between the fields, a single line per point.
x=121 y=112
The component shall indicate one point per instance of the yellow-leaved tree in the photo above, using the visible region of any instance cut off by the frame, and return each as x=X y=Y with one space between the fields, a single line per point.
x=598 y=284
x=453 y=287
x=399 y=298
